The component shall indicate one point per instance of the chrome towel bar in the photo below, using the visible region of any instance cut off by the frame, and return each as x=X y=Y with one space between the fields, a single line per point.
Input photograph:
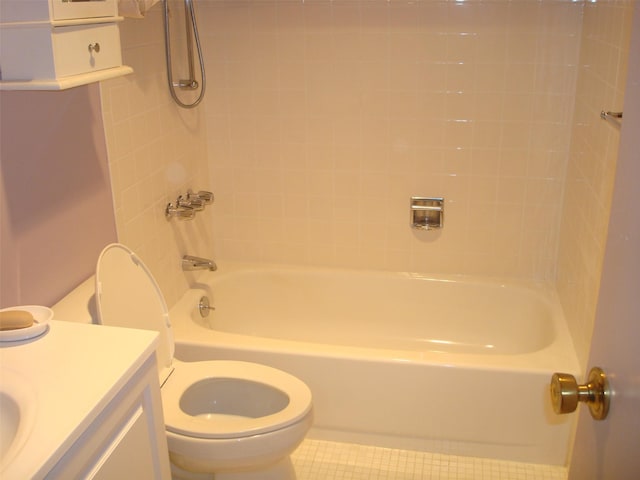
x=604 y=115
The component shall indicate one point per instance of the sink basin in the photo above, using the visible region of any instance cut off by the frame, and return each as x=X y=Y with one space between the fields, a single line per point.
x=17 y=414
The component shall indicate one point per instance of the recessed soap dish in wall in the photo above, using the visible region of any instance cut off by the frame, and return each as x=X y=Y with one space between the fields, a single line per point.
x=427 y=212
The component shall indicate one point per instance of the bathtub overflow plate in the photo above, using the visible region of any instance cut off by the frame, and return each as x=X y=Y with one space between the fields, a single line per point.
x=204 y=307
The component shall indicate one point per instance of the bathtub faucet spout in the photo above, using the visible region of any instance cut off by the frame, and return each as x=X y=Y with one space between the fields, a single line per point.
x=196 y=263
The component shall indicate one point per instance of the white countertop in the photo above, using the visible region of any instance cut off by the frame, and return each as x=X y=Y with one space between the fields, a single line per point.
x=76 y=370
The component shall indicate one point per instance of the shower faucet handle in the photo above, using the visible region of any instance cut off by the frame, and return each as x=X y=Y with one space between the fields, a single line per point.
x=202 y=195
x=186 y=206
x=190 y=201
x=182 y=212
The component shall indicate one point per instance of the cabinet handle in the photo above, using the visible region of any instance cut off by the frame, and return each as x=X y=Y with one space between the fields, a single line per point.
x=94 y=47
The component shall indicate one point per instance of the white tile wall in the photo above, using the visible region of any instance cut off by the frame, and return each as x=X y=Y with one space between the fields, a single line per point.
x=592 y=160
x=156 y=152
x=323 y=118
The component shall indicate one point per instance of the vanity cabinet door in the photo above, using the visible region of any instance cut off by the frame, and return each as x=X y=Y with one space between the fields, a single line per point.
x=127 y=439
x=129 y=455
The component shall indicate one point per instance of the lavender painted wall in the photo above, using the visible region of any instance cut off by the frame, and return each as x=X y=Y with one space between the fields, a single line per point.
x=56 y=209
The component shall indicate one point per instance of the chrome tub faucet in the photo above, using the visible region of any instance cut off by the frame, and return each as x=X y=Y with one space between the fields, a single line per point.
x=196 y=263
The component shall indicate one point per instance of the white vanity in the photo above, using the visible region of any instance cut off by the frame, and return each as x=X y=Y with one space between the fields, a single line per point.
x=58 y=44
x=88 y=405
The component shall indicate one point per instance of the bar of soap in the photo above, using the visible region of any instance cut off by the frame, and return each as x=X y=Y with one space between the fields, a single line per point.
x=15 y=319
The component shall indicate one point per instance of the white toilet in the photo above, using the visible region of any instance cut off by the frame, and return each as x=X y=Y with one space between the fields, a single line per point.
x=224 y=419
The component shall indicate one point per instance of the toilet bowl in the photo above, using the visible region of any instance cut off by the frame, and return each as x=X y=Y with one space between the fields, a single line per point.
x=232 y=419
x=251 y=406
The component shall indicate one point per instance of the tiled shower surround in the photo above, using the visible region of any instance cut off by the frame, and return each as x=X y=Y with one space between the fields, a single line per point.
x=322 y=118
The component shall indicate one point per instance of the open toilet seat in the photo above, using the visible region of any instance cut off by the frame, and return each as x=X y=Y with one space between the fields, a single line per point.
x=231 y=399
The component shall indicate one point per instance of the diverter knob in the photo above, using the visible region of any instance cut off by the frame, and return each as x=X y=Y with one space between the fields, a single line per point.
x=566 y=393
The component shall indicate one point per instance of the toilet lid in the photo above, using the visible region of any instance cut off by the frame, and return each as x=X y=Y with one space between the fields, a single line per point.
x=127 y=295
x=199 y=416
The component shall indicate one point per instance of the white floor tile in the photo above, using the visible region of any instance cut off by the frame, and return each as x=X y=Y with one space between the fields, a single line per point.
x=322 y=460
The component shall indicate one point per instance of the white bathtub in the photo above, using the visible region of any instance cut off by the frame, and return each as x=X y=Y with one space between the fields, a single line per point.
x=454 y=365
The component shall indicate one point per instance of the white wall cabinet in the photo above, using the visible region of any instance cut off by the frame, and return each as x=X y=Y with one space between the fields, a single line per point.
x=58 y=44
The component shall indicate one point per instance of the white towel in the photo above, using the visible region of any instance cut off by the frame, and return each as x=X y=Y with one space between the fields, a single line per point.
x=135 y=8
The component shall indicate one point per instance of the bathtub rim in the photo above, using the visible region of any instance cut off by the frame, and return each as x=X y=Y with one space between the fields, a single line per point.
x=559 y=355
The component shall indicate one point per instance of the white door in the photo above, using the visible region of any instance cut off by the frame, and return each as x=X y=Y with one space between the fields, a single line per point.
x=610 y=449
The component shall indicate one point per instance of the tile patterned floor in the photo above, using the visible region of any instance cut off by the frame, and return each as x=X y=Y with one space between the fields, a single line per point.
x=322 y=460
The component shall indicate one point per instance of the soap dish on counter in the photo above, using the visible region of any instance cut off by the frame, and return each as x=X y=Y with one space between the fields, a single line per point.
x=41 y=316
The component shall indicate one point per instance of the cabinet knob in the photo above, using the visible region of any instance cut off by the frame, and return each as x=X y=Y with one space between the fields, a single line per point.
x=94 y=47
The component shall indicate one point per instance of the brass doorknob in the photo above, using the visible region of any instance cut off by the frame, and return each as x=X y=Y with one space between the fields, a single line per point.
x=566 y=393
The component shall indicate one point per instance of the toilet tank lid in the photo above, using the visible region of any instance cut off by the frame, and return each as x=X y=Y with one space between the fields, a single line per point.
x=128 y=296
